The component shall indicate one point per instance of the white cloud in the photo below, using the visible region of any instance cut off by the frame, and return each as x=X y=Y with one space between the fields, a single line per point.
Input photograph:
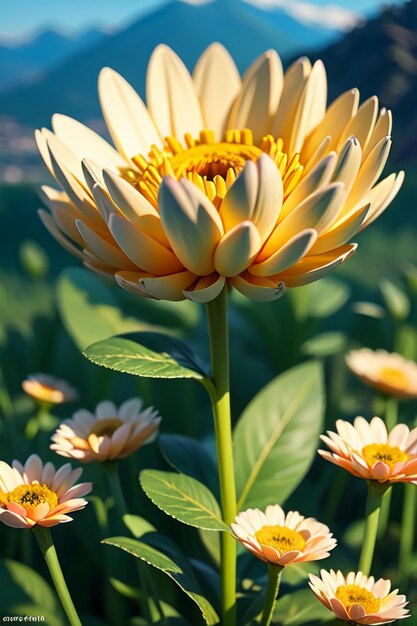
x=327 y=16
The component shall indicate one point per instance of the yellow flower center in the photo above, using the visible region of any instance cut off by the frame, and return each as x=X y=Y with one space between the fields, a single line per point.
x=353 y=594
x=375 y=452
x=211 y=165
x=107 y=426
x=393 y=377
x=281 y=538
x=30 y=496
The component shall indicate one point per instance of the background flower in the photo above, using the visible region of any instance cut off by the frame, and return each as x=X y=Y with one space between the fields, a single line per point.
x=261 y=188
x=35 y=493
x=385 y=371
x=108 y=434
x=48 y=389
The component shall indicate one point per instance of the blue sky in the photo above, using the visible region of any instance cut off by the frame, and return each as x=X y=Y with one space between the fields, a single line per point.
x=25 y=16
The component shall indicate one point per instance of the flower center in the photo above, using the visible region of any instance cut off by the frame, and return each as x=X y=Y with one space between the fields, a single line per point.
x=393 y=377
x=352 y=594
x=30 y=496
x=279 y=537
x=211 y=165
x=391 y=455
x=106 y=427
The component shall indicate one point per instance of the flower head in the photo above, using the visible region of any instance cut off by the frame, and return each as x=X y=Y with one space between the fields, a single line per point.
x=357 y=598
x=283 y=539
x=107 y=434
x=48 y=389
x=367 y=450
x=261 y=187
x=35 y=493
x=387 y=372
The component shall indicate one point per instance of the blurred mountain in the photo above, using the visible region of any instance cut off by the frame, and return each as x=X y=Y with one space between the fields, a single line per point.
x=188 y=28
x=20 y=62
x=381 y=59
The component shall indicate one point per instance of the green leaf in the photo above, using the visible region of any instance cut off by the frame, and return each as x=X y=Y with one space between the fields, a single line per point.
x=88 y=309
x=325 y=344
x=138 y=526
x=276 y=437
x=395 y=298
x=183 y=498
x=300 y=607
x=152 y=355
x=190 y=457
x=33 y=259
x=177 y=568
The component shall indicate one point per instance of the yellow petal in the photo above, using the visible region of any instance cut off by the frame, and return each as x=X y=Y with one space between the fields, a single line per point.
x=216 y=73
x=286 y=256
x=370 y=171
x=237 y=249
x=317 y=211
x=341 y=232
x=126 y=116
x=382 y=129
x=144 y=251
x=66 y=222
x=257 y=288
x=362 y=124
x=191 y=223
x=171 y=96
x=294 y=81
x=257 y=103
x=382 y=195
x=320 y=175
x=110 y=254
x=51 y=226
x=311 y=108
x=63 y=155
x=130 y=282
x=348 y=163
x=206 y=289
x=168 y=287
x=312 y=268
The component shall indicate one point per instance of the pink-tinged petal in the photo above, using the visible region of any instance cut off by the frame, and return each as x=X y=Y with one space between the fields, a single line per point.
x=33 y=468
x=338 y=609
x=47 y=522
x=271 y=555
x=381 y=471
x=39 y=512
x=16 y=508
x=48 y=474
x=13 y=520
x=357 y=611
x=76 y=492
x=381 y=588
x=75 y=504
x=288 y=557
x=119 y=439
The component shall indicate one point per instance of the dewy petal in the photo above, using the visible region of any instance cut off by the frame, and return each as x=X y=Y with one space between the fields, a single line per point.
x=237 y=249
x=171 y=96
x=144 y=251
x=216 y=73
x=286 y=256
x=126 y=116
x=257 y=103
x=192 y=224
x=85 y=143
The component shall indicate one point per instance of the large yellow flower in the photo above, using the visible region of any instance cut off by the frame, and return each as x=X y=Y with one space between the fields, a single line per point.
x=250 y=181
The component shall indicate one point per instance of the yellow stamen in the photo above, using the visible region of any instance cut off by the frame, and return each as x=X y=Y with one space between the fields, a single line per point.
x=106 y=426
x=353 y=594
x=393 y=377
x=374 y=452
x=205 y=161
x=30 y=496
x=281 y=538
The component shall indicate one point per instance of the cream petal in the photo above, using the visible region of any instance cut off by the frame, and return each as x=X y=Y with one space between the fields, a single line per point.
x=382 y=129
x=41 y=142
x=379 y=200
x=85 y=143
x=286 y=256
x=240 y=199
x=168 y=287
x=66 y=222
x=103 y=249
x=341 y=232
x=192 y=224
x=294 y=81
x=258 y=289
x=216 y=73
x=126 y=116
x=258 y=100
x=103 y=202
x=63 y=155
x=144 y=251
x=206 y=290
x=336 y=118
x=311 y=108
x=51 y=226
x=312 y=268
x=370 y=171
x=362 y=124
x=348 y=164
x=130 y=282
x=237 y=249
x=171 y=96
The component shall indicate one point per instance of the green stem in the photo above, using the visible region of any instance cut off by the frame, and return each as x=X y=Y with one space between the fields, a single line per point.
x=391 y=419
x=274 y=578
x=113 y=479
x=407 y=533
x=220 y=399
x=44 y=539
x=373 y=507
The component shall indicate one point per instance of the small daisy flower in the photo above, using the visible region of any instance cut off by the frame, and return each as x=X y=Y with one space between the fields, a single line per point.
x=387 y=372
x=359 y=599
x=48 y=389
x=35 y=493
x=367 y=450
x=282 y=539
x=108 y=434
